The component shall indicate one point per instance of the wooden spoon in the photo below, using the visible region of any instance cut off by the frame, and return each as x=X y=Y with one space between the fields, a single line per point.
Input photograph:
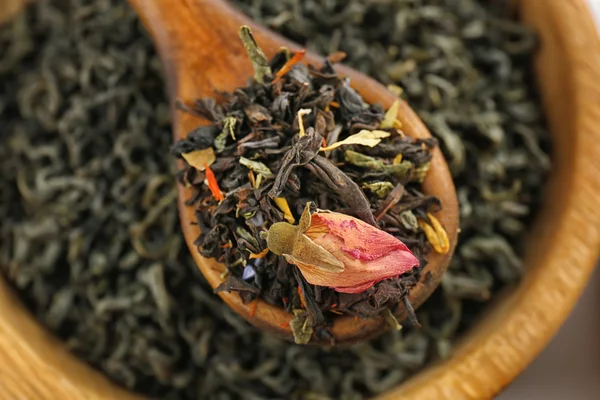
x=201 y=53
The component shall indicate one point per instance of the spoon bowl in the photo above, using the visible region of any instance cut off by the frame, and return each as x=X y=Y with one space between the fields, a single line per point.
x=202 y=54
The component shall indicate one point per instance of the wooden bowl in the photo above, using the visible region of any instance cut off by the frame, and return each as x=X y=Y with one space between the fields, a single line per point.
x=563 y=247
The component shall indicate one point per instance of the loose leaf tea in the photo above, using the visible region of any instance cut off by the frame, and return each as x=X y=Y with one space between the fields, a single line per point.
x=90 y=236
x=334 y=252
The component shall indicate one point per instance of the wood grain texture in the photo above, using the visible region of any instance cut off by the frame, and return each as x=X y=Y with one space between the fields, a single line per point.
x=36 y=366
x=10 y=8
x=563 y=248
x=215 y=60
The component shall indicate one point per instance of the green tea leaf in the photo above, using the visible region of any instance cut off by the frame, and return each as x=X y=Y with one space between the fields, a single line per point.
x=228 y=130
x=361 y=160
x=409 y=220
x=301 y=327
x=381 y=189
x=256 y=166
x=247 y=236
x=401 y=170
x=420 y=172
x=255 y=54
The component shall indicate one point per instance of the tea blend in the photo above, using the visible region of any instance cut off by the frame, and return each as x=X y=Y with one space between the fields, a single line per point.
x=298 y=136
x=90 y=237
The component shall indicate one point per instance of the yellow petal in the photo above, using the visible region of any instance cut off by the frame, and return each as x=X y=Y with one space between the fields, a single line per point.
x=436 y=234
x=397 y=159
x=441 y=233
x=258 y=181
x=395 y=89
x=390 y=115
x=285 y=208
x=364 y=138
x=199 y=159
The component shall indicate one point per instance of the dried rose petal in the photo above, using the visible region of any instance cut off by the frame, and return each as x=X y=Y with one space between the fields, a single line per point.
x=369 y=254
x=339 y=251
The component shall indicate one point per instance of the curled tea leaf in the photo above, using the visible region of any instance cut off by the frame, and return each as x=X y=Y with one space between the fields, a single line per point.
x=247 y=236
x=420 y=173
x=401 y=170
x=409 y=220
x=361 y=160
x=381 y=189
x=255 y=54
x=228 y=130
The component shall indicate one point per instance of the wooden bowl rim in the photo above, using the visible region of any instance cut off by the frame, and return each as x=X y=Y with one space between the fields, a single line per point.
x=502 y=345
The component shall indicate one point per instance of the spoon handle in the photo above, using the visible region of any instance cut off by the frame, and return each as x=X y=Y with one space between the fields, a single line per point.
x=199 y=47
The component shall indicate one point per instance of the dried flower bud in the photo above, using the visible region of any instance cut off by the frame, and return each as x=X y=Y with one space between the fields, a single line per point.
x=339 y=251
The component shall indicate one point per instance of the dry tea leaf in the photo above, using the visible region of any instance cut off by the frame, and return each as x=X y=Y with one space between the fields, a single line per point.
x=228 y=131
x=301 y=328
x=381 y=189
x=420 y=173
x=364 y=138
x=200 y=159
x=255 y=54
x=256 y=166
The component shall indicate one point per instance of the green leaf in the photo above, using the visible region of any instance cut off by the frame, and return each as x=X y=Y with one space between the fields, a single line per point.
x=228 y=130
x=256 y=166
x=301 y=327
x=381 y=189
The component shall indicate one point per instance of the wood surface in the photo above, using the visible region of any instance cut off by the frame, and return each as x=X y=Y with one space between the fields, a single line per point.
x=563 y=248
x=202 y=54
x=9 y=8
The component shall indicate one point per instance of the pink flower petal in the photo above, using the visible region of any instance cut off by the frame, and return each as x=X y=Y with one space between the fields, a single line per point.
x=369 y=255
